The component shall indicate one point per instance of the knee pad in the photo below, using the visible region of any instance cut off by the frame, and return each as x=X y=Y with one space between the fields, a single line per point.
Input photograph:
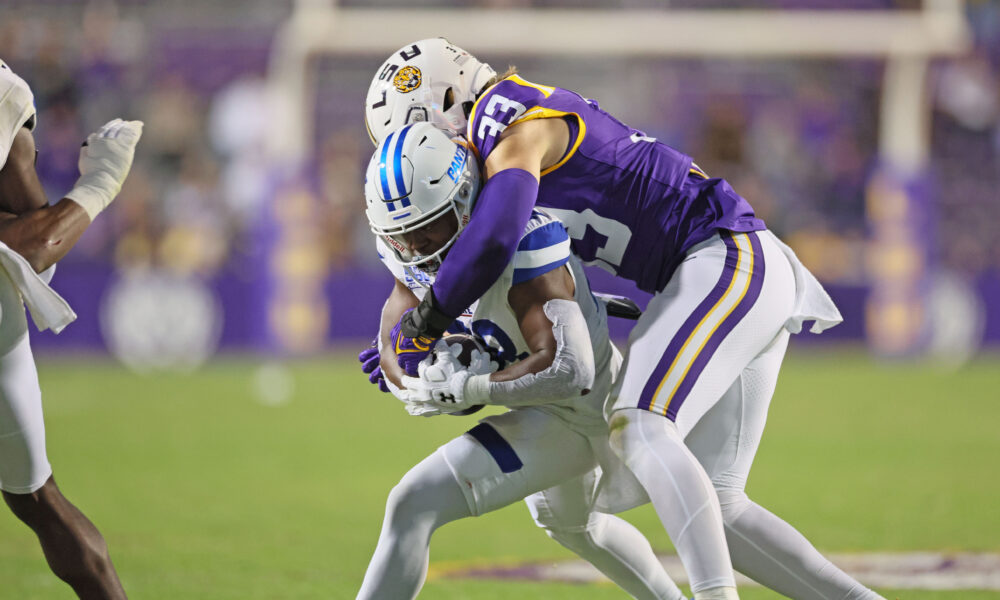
x=577 y=539
x=733 y=503
x=402 y=498
x=415 y=491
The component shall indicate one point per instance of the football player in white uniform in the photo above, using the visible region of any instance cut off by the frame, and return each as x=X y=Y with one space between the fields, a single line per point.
x=704 y=358
x=33 y=237
x=544 y=323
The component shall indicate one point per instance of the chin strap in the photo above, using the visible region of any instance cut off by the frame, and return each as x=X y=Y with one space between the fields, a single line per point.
x=428 y=320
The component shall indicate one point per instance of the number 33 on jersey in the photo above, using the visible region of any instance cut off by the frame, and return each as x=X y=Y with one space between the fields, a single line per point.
x=631 y=204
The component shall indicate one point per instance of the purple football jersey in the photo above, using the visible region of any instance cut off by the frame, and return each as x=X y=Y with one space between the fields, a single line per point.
x=632 y=205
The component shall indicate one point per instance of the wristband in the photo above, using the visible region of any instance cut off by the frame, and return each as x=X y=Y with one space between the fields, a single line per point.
x=477 y=389
x=427 y=320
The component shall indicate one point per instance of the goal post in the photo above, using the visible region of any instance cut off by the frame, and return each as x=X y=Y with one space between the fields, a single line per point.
x=906 y=40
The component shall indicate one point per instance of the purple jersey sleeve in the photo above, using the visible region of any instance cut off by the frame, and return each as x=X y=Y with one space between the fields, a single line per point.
x=504 y=206
x=499 y=107
x=481 y=253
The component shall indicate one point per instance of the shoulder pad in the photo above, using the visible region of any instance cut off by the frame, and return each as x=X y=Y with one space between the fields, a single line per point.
x=17 y=109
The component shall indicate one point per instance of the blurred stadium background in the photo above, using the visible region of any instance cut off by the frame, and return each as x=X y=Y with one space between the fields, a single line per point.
x=234 y=276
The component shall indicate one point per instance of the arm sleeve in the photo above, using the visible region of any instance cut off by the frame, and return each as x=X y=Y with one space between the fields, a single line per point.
x=488 y=242
x=571 y=373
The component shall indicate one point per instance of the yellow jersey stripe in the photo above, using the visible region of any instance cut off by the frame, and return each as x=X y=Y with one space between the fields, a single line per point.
x=722 y=320
x=694 y=331
x=544 y=89
x=549 y=113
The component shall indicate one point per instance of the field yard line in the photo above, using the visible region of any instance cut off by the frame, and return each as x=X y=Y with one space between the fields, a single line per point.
x=909 y=570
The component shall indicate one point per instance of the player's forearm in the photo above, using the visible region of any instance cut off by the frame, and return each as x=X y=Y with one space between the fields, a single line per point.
x=568 y=373
x=398 y=302
x=44 y=236
x=488 y=242
x=536 y=362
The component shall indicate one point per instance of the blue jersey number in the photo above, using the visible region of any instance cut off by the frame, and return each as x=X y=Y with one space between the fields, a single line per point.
x=498 y=340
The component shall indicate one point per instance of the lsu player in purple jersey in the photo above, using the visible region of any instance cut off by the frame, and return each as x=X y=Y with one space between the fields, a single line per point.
x=703 y=360
x=542 y=321
x=33 y=237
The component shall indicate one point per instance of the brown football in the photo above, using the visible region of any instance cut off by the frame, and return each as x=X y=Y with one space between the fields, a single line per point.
x=468 y=343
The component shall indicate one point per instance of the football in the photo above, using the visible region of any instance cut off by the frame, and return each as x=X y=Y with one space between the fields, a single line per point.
x=468 y=342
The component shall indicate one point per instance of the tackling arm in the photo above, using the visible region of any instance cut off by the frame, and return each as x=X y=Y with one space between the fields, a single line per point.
x=502 y=210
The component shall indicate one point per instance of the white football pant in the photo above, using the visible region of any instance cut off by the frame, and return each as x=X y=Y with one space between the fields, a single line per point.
x=24 y=467
x=706 y=355
x=522 y=454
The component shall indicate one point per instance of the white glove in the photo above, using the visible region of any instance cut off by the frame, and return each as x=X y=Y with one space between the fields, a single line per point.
x=441 y=385
x=105 y=160
x=413 y=407
x=422 y=409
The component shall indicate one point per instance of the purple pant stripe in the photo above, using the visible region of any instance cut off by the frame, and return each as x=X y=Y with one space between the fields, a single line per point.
x=677 y=342
x=749 y=299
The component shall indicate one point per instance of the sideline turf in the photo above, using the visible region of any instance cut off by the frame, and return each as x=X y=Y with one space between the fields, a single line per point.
x=204 y=492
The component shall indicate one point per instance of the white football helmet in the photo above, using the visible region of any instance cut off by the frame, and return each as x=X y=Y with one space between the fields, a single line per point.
x=418 y=174
x=430 y=80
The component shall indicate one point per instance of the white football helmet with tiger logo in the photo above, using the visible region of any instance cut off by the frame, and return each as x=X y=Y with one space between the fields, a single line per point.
x=430 y=80
x=418 y=174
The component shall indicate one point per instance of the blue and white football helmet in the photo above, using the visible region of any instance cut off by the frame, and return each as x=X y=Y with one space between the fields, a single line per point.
x=429 y=80
x=418 y=174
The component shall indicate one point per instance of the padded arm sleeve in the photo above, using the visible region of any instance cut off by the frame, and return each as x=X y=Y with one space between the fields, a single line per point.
x=571 y=373
x=488 y=242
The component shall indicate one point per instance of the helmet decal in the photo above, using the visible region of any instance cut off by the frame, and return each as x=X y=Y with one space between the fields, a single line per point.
x=407 y=79
x=429 y=80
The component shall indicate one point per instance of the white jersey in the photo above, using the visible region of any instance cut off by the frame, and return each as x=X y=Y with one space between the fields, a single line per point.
x=544 y=246
x=17 y=109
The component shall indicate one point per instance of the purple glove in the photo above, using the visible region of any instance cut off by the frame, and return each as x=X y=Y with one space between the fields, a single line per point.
x=410 y=351
x=369 y=358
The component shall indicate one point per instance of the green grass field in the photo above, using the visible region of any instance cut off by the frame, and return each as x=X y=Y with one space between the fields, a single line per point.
x=204 y=492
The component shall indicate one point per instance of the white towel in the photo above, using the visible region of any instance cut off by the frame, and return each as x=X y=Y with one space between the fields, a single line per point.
x=48 y=309
x=618 y=489
x=812 y=303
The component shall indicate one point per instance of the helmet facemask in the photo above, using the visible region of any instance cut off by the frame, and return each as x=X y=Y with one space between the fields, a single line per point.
x=418 y=175
x=395 y=238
